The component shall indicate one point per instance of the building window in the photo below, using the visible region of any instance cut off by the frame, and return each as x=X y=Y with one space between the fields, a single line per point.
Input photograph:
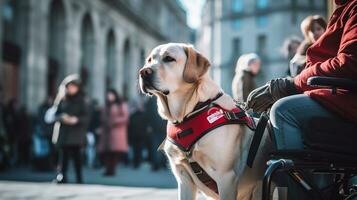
x=8 y=12
x=262 y=46
x=236 y=24
x=262 y=4
x=237 y=5
x=262 y=20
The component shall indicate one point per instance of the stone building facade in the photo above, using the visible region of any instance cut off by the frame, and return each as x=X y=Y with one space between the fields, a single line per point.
x=233 y=27
x=105 y=41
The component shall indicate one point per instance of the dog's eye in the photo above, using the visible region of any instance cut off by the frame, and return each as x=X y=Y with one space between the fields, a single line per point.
x=168 y=59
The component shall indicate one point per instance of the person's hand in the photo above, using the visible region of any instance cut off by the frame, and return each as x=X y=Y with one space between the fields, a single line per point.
x=73 y=120
x=260 y=99
x=263 y=97
x=69 y=120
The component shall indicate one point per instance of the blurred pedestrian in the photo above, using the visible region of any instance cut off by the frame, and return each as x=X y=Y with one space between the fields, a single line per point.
x=73 y=115
x=312 y=28
x=23 y=135
x=248 y=66
x=10 y=119
x=113 y=143
x=43 y=151
x=156 y=134
x=289 y=49
x=4 y=145
x=138 y=133
x=93 y=135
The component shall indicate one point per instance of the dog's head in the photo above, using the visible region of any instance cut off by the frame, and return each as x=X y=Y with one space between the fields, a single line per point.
x=170 y=67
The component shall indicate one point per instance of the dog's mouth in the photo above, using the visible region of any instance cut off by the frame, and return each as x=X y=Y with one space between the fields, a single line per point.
x=147 y=87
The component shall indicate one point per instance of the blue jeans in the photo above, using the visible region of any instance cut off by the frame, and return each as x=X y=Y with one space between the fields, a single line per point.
x=288 y=117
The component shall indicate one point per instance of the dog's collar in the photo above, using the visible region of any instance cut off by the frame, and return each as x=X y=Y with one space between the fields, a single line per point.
x=200 y=106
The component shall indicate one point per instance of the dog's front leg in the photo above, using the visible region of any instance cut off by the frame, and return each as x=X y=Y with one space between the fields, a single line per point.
x=227 y=186
x=186 y=187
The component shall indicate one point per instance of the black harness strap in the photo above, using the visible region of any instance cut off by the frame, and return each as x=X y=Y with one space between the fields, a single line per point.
x=254 y=146
x=204 y=177
x=234 y=116
x=184 y=133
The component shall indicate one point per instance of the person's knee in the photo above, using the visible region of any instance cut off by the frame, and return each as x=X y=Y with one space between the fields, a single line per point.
x=279 y=109
x=288 y=107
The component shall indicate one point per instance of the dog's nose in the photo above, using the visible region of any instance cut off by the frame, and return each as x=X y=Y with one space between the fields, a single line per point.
x=145 y=72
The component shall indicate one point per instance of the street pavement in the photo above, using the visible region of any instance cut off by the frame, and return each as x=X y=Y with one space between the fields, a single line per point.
x=125 y=176
x=10 y=190
x=128 y=184
x=26 y=184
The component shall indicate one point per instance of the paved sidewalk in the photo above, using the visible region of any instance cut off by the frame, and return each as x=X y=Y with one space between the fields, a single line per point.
x=129 y=184
x=49 y=191
x=125 y=176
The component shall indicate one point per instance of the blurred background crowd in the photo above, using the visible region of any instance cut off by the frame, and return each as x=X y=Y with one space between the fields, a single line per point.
x=105 y=42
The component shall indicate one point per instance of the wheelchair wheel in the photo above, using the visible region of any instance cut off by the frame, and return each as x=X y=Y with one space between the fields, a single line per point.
x=352 y=196
x=352 y=193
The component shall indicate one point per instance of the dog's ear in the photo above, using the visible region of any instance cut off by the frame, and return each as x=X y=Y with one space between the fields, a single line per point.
x=196 y=65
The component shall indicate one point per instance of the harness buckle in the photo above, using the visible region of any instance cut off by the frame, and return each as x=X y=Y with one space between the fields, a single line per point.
x=234 y=115
x=228 y=115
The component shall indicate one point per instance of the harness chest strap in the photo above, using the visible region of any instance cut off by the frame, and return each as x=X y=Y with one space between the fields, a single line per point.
x=185 y=134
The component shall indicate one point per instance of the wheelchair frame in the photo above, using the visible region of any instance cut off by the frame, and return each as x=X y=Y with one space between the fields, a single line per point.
x=293 y=162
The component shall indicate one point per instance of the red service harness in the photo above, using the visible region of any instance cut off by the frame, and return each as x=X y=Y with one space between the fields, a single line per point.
x=185 y=134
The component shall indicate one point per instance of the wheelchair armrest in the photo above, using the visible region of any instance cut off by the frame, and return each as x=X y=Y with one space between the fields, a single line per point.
x=332 y=82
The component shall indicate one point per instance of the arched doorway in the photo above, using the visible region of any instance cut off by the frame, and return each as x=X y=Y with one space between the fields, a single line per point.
x=87 y=49
x=56 y=47
x=110 y=60
x=126 y=68
x=11 y=50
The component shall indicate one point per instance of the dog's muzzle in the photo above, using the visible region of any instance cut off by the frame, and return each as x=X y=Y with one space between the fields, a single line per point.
x=146 y=75
x=147 y=81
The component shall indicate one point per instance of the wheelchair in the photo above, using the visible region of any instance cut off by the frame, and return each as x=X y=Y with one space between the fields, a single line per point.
x=325 y=154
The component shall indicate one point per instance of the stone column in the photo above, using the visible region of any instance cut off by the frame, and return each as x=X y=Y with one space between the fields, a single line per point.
x=98 y=73
x=33 y=37
x=123 y=67
x=134 y=68
x=1 y=64
x=73 y=40
x=118 y=77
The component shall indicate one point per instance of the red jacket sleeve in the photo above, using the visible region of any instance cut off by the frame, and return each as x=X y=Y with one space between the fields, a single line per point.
x=344 y=65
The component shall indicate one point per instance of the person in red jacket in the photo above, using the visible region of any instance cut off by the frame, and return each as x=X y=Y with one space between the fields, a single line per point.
x=293 y=103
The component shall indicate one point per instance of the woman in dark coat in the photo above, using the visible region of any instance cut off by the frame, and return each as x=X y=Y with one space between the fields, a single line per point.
x=73 y=115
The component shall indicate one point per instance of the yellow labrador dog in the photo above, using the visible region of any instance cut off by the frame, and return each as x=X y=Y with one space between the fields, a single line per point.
x=178 y=75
